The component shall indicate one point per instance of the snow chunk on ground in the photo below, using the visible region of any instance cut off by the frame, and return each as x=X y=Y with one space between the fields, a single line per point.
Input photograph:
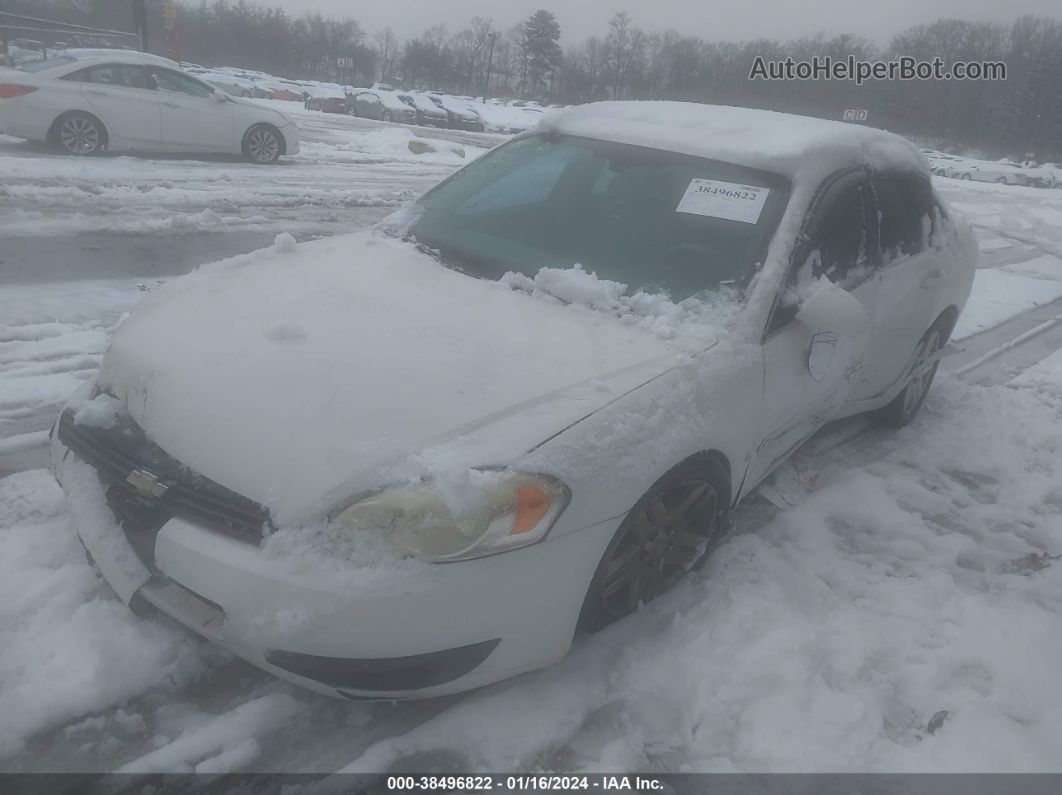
x=284 y=243
x=217 y=747
x=103 y=411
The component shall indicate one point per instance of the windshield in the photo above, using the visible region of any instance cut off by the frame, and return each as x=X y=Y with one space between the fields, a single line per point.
x=649 y=219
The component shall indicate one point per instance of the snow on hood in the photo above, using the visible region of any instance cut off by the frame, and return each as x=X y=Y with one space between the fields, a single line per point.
x=800 y=147
x=694 y=322
x=285 y=375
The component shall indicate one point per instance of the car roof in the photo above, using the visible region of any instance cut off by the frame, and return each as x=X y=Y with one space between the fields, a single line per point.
x=796 y=146
x=118 y=56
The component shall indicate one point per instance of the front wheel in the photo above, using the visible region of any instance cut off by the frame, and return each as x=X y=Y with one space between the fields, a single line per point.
x=262 y=145
x=80 y=134
x=906 y=405
x=386 y=116
x=668 y=532
x=1001 y=181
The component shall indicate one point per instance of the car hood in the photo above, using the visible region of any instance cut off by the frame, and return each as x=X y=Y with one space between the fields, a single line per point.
x=296 y=371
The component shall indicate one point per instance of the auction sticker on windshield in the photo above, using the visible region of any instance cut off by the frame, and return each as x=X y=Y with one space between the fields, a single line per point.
x=723 y=200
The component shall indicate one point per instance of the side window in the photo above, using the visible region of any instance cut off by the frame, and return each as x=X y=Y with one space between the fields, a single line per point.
x=121 y=75
x=175 y=82
x=905 y=215
x=838 y=244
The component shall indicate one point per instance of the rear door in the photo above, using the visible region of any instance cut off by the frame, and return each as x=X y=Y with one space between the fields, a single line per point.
x=192 y=117
x=120 y=95
x=911 y=277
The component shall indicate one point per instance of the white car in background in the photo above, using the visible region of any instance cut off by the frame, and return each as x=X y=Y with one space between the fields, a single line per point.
x=419 y=459
x=87 y=102
x=227 y=82
x=988 y=171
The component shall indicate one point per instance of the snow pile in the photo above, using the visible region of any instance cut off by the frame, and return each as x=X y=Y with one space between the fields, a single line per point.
x=103 y=411
x=67 y=646
x=284 y=243
x=906 y=615
x=700 y=318
x=216 y=746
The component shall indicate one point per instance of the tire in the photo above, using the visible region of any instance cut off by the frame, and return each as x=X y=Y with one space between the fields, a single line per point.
x=966 y=176
x=79 y=133
x=352 y=111
x=906 y=405
x=658 y=542
x=386 y=116
x=1001 y=181
x=263 y=144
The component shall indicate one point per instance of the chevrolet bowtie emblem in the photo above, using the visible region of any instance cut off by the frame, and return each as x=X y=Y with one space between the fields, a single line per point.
x=146 y=483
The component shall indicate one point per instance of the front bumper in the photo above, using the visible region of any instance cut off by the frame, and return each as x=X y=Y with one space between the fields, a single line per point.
x=433 y=630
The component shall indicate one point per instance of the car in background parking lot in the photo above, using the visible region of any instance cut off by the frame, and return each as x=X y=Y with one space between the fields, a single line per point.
x=428 y=113
x=331 y=104
x=90 y=101
x=459 y=116
x=381 y=105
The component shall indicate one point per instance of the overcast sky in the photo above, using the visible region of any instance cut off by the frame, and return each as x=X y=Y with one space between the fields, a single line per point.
x=711 y=19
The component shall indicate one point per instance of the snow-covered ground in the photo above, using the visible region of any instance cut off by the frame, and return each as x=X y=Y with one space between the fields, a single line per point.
x=903 y=612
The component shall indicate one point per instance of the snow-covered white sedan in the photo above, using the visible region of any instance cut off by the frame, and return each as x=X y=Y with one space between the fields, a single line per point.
x=86 y=101
x=422 y=458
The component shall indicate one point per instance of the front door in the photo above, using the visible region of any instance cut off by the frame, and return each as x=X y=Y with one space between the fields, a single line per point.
x=192 y=117
x=809 y=372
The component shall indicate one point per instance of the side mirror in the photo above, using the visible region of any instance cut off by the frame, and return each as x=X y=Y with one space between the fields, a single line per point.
x=835 y=310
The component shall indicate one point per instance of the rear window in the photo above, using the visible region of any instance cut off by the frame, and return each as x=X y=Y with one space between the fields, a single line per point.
x=905 y=211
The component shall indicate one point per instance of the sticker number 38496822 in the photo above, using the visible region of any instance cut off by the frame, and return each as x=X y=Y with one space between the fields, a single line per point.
x=727 y=200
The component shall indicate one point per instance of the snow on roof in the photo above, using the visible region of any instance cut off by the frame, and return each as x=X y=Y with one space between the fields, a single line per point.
x=119 y=56
x=796 y=146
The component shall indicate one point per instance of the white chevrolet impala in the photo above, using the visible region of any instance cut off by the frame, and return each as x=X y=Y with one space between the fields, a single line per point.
x=84 y=102
x=422 y=458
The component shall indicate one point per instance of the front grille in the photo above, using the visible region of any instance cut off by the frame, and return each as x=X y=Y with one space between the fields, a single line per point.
x=116 y=452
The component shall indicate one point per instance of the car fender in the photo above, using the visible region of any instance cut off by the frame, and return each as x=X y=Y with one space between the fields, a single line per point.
x=612 y=457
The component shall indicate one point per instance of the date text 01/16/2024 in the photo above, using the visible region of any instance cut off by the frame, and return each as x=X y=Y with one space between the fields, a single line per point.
x=523 y=783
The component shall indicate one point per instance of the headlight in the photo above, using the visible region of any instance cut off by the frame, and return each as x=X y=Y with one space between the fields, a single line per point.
x=508 y=510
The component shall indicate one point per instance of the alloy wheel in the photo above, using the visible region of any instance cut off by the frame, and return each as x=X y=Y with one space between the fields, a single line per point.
x=263 y=146
x=663 y=542
x=79 y=135
x=922 y=373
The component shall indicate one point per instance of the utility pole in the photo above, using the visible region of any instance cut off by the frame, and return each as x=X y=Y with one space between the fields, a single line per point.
x=5 y=56
x=490 y=60
x=140 y=23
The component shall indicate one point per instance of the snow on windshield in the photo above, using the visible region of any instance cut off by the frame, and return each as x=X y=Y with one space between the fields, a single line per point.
x=700 y=318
